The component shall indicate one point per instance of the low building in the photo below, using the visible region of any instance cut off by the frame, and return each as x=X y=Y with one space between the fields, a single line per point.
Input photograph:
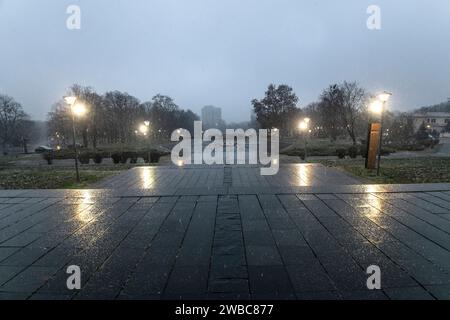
x=433 y=120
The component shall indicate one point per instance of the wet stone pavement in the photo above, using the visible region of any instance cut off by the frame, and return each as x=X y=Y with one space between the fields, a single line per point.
x=227 y=233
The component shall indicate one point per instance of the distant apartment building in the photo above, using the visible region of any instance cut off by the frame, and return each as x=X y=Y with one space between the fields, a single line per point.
x=253 y=117
x=212 y=117
x=433 y=120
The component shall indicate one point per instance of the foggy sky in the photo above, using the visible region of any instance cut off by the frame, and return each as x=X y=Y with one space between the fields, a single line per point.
x=223 y=52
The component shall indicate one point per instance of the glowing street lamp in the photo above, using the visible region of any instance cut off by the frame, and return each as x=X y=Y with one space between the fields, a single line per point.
x=303 y=126
x=143 y=129
x=378 y=107
x=77 y=110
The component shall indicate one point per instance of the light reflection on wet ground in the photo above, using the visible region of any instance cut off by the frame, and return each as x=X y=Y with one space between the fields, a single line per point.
x=255 y=239
x=213 y=176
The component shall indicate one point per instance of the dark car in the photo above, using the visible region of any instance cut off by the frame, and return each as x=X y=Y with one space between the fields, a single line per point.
x=43 y=149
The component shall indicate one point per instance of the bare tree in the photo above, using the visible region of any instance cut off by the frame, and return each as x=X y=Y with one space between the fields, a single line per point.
x=353 y=108
x=343 y=107
x=59 y=123
x=123 y=108
x=89 y=124
x=328 y=110
x=11 y=118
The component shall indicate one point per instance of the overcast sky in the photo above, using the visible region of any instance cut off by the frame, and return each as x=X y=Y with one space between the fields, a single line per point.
x=223 y=52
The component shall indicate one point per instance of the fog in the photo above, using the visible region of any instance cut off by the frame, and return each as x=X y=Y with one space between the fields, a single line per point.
x=223 y=53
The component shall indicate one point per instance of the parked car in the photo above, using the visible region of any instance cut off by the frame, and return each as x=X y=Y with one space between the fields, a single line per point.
x=43 y=149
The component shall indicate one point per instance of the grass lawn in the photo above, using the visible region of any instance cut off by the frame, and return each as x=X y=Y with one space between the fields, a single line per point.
x=393 y=171
x=53 y=177
x=7 y=160
x=15 y=173
x=316 y=147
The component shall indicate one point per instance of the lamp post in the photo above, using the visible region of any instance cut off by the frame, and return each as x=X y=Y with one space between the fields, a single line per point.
x=303 y=126
x=77 y=109
x=378 y=107
x=144 y=129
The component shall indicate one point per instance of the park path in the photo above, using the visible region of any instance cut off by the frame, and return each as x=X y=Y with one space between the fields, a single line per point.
x=307 y=244
x=169 y=178
x=223 y=233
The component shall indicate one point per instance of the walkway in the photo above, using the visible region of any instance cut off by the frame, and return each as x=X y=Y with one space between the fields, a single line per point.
x=167 y=233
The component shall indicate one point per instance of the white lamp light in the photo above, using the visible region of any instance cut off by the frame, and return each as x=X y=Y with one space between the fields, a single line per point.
x=376 y=107
x=79 y=109
x=70 y=100
x=384 y=96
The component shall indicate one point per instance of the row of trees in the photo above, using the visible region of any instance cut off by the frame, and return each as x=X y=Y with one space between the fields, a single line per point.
x=341 y=111
x=115 y=116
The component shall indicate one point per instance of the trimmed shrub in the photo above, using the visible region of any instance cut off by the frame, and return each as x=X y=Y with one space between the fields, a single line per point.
x=302 y=155
x=116 y=157
x=84 y=158
x=155 y=156
x=124 y=156
x=296 y=153
x=48 y=156
x=353 y=152
x=341 y=153
x=133 y=157
x=64 y=154
x=145 y=155
x=98 y=158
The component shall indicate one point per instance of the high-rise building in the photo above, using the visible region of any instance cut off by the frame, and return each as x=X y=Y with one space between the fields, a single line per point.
x=212 y=117
x=253 y=117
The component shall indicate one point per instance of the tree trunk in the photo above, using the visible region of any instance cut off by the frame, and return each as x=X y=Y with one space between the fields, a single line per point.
x=4 y=152
x=85 y=139
x=25 y=147
x=352 y=135
x=94 y=140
